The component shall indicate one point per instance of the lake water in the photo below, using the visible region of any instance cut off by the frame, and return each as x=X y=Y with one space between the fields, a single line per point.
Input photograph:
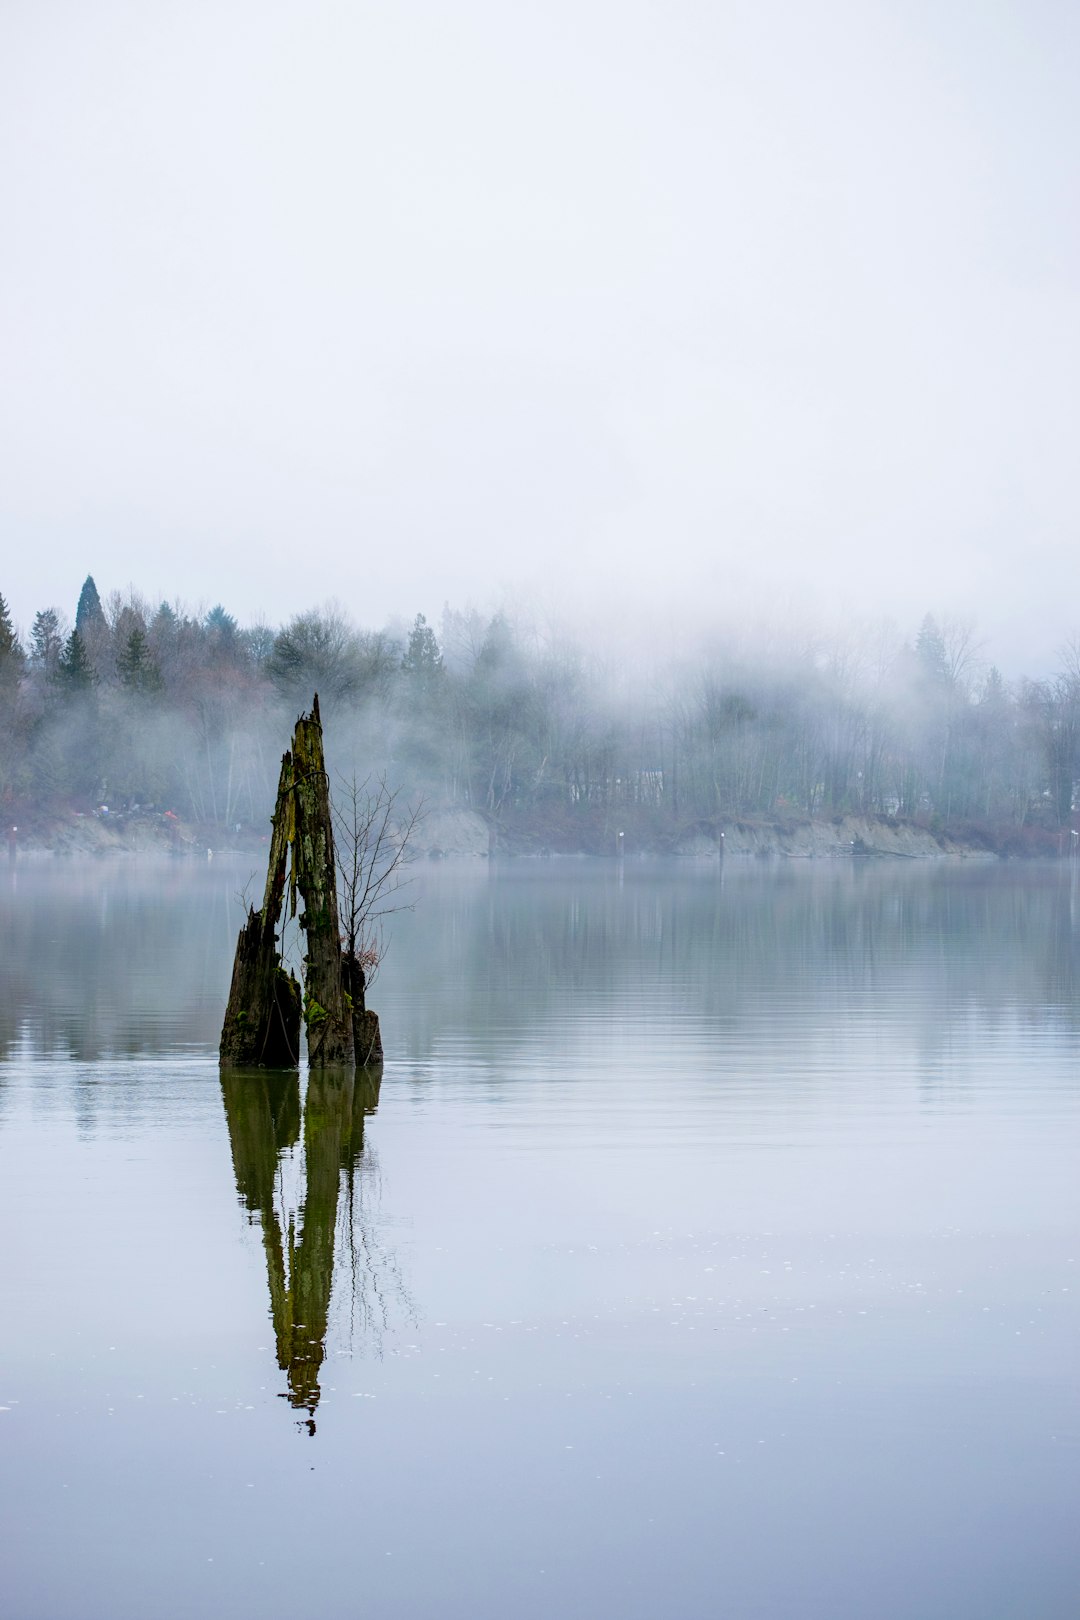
x=710 y=1248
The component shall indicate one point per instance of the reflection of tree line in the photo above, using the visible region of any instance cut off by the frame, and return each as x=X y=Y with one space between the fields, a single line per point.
x=94 y=965
x=511 y=950
x=265 y=1119
x=101 y=960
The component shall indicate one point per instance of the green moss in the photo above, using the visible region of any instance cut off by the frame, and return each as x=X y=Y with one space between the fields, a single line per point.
x=313 y=1012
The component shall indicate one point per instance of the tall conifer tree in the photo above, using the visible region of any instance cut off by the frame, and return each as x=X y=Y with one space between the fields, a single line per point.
x=89 y=615
x=12 y=657
x=76 y=671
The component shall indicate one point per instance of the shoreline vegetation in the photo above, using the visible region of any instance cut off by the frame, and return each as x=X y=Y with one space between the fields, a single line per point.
x=134 y=727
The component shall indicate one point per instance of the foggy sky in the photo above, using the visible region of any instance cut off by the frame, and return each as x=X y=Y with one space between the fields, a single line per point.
x=649 y=308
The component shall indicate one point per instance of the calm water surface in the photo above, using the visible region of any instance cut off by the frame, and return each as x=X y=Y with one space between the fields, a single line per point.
x=709 y=1248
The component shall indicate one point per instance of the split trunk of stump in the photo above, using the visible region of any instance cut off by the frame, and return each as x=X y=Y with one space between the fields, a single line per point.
x=262 y=1020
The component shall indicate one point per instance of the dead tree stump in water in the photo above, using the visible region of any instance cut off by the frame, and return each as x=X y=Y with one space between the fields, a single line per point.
x=326 y=1010
x=367 y=1039
x=262 y=1020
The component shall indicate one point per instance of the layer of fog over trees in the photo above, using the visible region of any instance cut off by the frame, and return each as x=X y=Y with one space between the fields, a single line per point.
x=133 y=704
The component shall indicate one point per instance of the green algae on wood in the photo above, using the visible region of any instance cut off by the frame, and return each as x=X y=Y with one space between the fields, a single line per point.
x=329 y=1022
x=262 y=1019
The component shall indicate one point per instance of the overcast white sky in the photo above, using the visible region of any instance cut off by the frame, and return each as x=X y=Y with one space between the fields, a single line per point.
x=643 y=306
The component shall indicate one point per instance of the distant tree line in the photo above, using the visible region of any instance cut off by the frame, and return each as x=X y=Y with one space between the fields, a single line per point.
x=130 y=705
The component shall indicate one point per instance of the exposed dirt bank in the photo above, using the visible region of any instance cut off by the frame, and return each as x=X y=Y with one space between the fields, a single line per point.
x=457 y=833
x=845 y=836
x=142 y=832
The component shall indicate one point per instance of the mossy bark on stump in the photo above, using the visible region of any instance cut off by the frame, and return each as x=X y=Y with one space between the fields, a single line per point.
x=367 y=1041
x=326 y=1010
x=262 y=1019
x=367 y=1038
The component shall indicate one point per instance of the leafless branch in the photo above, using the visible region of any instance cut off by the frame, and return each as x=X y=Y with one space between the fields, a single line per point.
x=243 y=894
x=374 y=832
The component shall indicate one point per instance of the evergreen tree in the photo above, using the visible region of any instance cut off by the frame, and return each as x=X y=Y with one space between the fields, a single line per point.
x=163 y=639
x=224 y=644
x=930 y=652
x=12 y=657
x=12 y=735
x=422 y=661
x=75 y=670
x=46 y=643
x=220 y=624
x=136 y=667
x=89 y=615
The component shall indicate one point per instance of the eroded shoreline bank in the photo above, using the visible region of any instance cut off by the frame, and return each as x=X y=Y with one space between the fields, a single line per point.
x=466 y=834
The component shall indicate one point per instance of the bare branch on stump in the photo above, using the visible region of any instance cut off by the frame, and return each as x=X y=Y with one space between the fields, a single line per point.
x=374 y=839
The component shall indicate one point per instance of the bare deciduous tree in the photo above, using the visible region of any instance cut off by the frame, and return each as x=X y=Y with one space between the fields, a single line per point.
x=373 y=832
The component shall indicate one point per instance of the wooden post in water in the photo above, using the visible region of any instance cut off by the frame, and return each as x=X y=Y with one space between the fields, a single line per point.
x=262 y=1020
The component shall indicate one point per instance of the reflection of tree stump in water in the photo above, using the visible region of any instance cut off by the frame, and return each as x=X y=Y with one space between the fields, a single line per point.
x=263 y=1113
x=262 y=1110
x=327 y=1122
x=365 y=1102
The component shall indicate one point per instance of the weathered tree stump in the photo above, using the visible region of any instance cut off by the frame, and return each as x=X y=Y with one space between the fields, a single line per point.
x=326 y=1011
x=367 y=1040
x=262 y=1020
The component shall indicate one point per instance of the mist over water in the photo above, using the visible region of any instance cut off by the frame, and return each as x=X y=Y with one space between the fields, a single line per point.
x=711 y=1222
x=157 y=729
x=651 y=433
